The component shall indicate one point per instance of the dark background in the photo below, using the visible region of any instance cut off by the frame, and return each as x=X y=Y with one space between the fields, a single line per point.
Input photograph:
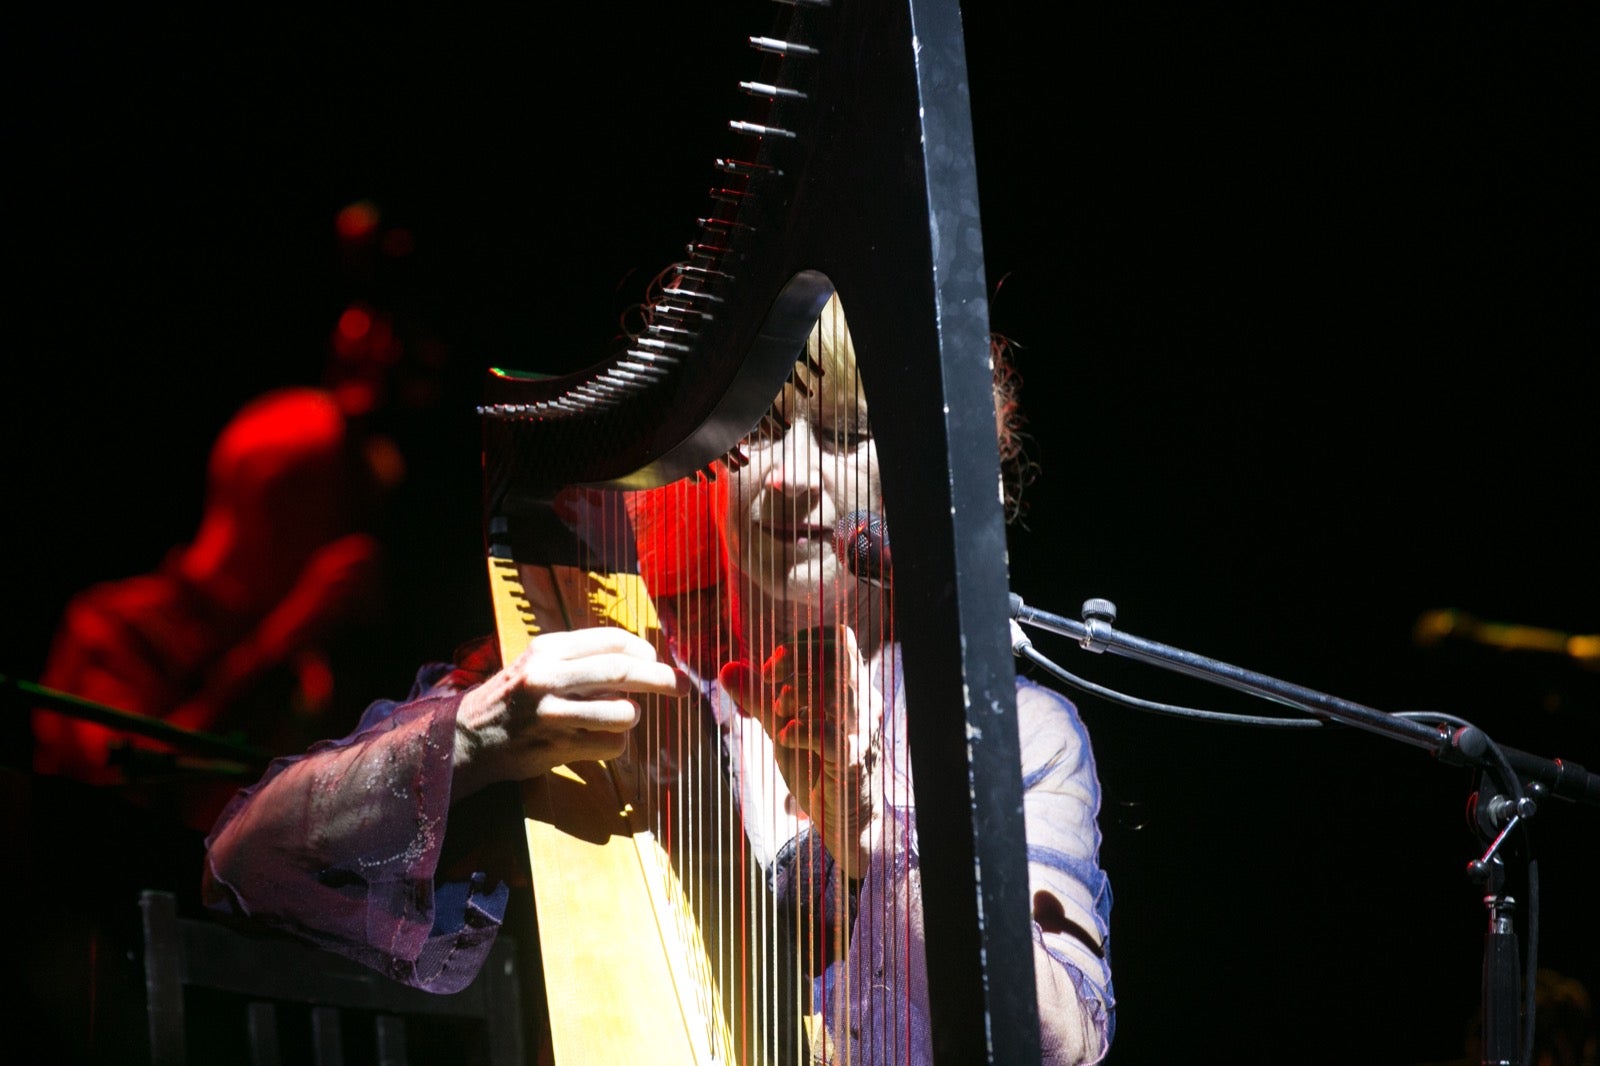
x=1305 y=300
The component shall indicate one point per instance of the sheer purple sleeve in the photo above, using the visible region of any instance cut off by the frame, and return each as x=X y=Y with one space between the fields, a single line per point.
x=341 y=846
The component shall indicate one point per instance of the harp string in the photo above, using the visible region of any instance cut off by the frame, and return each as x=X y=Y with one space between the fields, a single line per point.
x=813 y=461
x=686 y=808
x=791 y=987
x=681 y=559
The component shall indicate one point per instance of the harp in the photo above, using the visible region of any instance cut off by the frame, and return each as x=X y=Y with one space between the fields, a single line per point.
x=852 y=174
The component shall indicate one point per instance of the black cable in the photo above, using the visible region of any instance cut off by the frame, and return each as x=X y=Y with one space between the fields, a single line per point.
x=1022 y=646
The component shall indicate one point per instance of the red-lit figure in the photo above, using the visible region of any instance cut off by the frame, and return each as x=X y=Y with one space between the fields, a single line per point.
x=229 y=635
x=233 y=633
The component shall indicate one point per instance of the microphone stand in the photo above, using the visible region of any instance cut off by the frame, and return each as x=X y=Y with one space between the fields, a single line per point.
x=1519 y=779
x=228 y=757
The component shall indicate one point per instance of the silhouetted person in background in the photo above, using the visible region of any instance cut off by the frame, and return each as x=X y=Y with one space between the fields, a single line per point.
x=229 y=634
x=265 y=627
x=237 y=631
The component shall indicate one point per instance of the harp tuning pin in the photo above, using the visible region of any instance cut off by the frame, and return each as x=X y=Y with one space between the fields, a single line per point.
x=771 y=92
x=780 y=47
x=745 y=167
x=756 y=129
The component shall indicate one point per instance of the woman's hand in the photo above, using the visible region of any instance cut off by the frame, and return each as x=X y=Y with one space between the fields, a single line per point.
x=814 y=698
x=566 y=698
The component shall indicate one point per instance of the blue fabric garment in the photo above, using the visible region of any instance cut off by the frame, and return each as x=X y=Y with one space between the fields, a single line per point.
x=875 y=998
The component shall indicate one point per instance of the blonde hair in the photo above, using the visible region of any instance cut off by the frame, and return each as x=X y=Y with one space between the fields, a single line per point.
x=828 y=370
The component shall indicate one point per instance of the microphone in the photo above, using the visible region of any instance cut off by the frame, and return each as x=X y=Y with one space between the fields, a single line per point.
x=861 y=540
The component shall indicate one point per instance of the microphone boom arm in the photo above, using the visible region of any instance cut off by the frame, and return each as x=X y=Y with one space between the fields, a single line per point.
x=1461 y=746
x=1454 y=742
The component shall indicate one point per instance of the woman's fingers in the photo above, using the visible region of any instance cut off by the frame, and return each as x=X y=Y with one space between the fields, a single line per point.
x=612 y=715
x=738 y=681
x=576 y=643
x=602 y=660
x=604 y=674
x=589 y=744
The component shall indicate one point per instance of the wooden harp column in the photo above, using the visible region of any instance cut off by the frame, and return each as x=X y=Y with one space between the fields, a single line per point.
x=854 y=173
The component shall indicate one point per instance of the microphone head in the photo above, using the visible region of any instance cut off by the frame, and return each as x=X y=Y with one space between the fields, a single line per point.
x=861 y=540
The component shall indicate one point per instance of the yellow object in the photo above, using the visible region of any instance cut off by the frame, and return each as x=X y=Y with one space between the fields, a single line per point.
x=627 y=975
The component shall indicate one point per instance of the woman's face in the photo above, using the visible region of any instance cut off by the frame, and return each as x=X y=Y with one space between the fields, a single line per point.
x=784 y=505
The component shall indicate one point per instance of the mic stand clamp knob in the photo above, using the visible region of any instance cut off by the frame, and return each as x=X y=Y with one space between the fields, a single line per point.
x=1098 y=614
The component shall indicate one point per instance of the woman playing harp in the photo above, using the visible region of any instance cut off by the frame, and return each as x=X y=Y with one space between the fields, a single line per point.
x=366 y=844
